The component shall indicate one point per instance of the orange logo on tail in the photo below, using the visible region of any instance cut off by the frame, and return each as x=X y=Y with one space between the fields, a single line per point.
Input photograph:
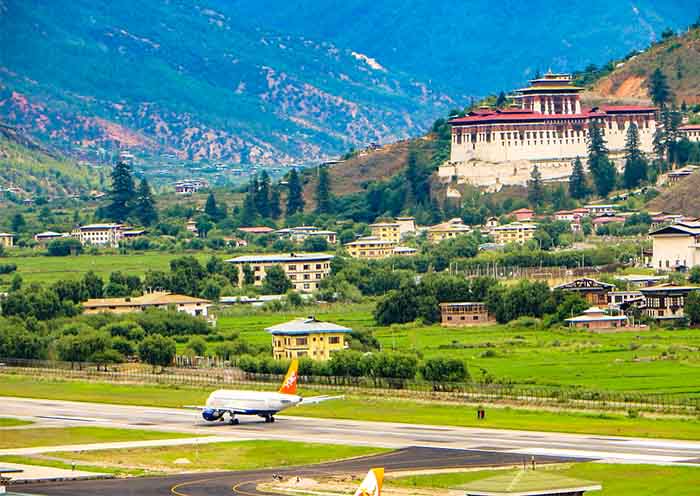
x=289 y=385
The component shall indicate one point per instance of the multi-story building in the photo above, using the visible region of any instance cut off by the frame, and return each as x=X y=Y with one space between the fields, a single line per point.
x=690 y=131
x=304 y=270
x=197 y=307
x=302 y=233
x=465 y=314
x=189 y=186
x=450 y=229
x=593 y=291
x=386 y=231
x=676 y=246
x=548 y=126
x=596 y=210
x=7 y=240
x=666 y=301
x=370 y=247
x=99 y=234
x=407 y=225
x=308 y=338
x=515 y=232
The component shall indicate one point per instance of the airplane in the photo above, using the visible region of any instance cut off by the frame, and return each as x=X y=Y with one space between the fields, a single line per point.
x=372 y=485
x=261 y=403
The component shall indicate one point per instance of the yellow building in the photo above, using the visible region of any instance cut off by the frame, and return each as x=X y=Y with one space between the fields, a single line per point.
x=386 y=231
x=515 y=232
x=370 y=247
x=7 y=240
x=307 y=338
x=197 y=307
x=304 y=270
x=446 y=230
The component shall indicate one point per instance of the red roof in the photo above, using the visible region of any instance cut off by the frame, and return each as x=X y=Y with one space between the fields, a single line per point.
x=608 y=219
x=525 y=115
x=690 y=127
x=523 y=211
x=256 y=230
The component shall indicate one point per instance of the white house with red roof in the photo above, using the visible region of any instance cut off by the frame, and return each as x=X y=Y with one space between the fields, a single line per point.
x=547 y=126
x=690 y=131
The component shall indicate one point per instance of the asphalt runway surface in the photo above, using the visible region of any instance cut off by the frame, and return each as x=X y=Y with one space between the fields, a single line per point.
x=244 y=483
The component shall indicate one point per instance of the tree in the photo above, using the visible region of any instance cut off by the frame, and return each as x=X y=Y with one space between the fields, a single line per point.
x=122 y=193
x=295 y=198
x=18 y=223
x=145 y=204
x=276 y=280
x=82 y=346
x=157 y=350
x=187 y=275
x=93 y=284
x=248 y=275
x=275 y=209
x=197 y=345
x=262 y=196
x=203 y=225
x=249 y=211
x=213 y=210
x=71 y=290
x=62 y=247
x=501 y=100
x=659 y=90
x=440 y=370
x=535 y=190
x=323 y=192
x=602 y=170
x=578 y=187
x=694 y=276
x=636 y=167
x=692 y=307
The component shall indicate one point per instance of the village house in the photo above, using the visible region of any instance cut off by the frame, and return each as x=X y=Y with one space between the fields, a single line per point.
x=594 y=292
x=690 y=131
x=302 y=233
x=370 y=247
x=676 y=246
x=407 y=225
x=678 y=175
x=256 y=230
x=621 y=299
x=597 y=318
x=307 y=338
x=450 y=229
x=464 y=314
x=598 y=210
x=44 y=238
x=189 y=186
x=666 y=301
x=197 y=307
x=106 y=235
x=515 y=232
x=522 y=214
x=386 y=231
x=7 y=240
x=404 y=251
x=304 y=270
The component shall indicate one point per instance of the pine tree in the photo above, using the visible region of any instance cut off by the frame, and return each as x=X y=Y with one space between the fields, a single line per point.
x=501 y=100
x=578 y=188
x=295 y=198
x=248 y=212
x=635 y=164
x=275 y=207
x=122 y=193
x=145 y=204
x=262 y=195
x=602 y=170
x=658 y=88
x=323 y=192
x=535 y=191
x=212 y=209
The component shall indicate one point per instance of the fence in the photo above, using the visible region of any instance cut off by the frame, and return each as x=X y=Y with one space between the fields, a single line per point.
x=216 y=377
x=551 y=274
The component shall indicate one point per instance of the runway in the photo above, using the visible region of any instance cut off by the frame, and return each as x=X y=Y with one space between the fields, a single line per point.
x=244 y=483
x=380 y=434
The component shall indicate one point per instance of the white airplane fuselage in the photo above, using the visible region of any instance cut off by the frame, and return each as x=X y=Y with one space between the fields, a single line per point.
x=248 y=403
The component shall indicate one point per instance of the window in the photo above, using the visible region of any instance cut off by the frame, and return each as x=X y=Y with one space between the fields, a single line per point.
x=333 y=340
x=302 y=341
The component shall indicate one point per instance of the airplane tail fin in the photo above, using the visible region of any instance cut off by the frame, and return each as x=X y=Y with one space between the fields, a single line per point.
x=289 y=386
x=372 y=485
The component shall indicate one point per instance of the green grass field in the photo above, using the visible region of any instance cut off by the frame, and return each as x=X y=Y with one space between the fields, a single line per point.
x=47 y=270
x=617 y=480
x=376 y=409
x=28 y=438
x=13 y=422
x=70 y=465
x=239 y=455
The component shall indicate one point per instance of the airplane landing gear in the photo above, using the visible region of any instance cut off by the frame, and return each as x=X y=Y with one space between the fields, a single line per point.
x=269 y=419
x=234 y=421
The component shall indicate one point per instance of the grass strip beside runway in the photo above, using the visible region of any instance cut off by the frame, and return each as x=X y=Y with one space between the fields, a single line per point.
x=617 y=480
x=369 y=408
x=13 y=422
x=29 y=438
x=237 y=455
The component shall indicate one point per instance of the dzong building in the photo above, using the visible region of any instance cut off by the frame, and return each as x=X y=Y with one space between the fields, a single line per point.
x=547 y=125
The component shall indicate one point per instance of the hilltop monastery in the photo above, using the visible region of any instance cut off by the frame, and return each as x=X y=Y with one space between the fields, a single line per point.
x=546 y=126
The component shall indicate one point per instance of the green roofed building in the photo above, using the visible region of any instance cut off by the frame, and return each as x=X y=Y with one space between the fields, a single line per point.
x=529 y=483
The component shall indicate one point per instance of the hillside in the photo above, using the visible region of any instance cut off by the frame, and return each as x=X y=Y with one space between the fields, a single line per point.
x=38 y=171
x=678 y=57
x=682 y=198
x=242 y=82
x=197 y=80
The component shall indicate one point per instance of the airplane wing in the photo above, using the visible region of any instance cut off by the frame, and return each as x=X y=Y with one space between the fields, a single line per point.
x=318 y=399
